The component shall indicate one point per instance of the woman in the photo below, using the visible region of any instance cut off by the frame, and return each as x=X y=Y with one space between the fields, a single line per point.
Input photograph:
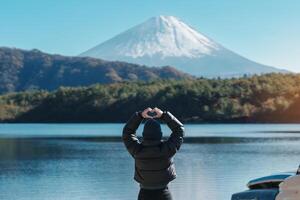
x=154 y=166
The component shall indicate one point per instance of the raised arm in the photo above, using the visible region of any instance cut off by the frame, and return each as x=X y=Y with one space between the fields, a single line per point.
x=176 y=138
x=129 y=131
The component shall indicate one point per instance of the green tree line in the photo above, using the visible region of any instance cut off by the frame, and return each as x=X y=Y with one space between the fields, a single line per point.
x=264 y=98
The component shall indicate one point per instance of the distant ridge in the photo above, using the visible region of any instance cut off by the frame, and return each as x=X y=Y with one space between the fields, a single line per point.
x=166 y=40
x=27 y=70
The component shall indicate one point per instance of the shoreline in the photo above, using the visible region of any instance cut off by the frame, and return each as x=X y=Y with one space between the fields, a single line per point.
x=189 y=140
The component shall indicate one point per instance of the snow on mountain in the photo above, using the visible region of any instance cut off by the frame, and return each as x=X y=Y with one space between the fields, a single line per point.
x=166 y=40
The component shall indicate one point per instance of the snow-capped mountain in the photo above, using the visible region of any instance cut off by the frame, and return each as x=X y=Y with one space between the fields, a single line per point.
x=166 y=40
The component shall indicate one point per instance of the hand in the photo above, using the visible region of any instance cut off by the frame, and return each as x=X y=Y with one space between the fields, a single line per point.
x=145 y=113
x=158 y=112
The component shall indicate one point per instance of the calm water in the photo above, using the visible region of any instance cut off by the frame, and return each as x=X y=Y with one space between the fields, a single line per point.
x=44 y=169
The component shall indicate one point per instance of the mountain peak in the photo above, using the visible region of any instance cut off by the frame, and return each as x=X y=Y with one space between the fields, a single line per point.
x=165 y=18
x=163 y=36
x=167 y=40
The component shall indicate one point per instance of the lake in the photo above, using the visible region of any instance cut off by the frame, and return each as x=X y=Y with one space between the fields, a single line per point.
x=75 y=161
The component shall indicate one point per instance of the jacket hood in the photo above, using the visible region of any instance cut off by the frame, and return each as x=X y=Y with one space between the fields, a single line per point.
x=152 y=130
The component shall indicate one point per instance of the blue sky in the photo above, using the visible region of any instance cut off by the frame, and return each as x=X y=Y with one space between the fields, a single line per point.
x=265 y=31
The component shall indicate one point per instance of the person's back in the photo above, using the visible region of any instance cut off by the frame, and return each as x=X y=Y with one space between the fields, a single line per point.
x=154 y=167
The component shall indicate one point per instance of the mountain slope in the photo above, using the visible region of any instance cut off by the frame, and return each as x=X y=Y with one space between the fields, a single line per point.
x=166 y=40
x=24 y=70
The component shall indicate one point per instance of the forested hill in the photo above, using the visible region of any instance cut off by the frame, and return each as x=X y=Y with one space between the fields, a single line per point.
x=266 y=98
x=27 y=70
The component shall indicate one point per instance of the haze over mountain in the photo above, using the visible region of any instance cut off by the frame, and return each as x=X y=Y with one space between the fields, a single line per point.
x=25 y=70
x=166 y=40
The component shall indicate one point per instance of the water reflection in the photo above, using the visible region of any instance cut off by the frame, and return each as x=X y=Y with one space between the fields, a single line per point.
x=62 y=169
x=54 y=169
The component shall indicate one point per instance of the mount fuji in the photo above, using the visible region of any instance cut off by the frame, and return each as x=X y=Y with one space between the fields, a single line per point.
x=166 y=40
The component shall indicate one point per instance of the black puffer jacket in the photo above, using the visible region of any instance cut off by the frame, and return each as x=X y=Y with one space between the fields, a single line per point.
x=154 y=167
